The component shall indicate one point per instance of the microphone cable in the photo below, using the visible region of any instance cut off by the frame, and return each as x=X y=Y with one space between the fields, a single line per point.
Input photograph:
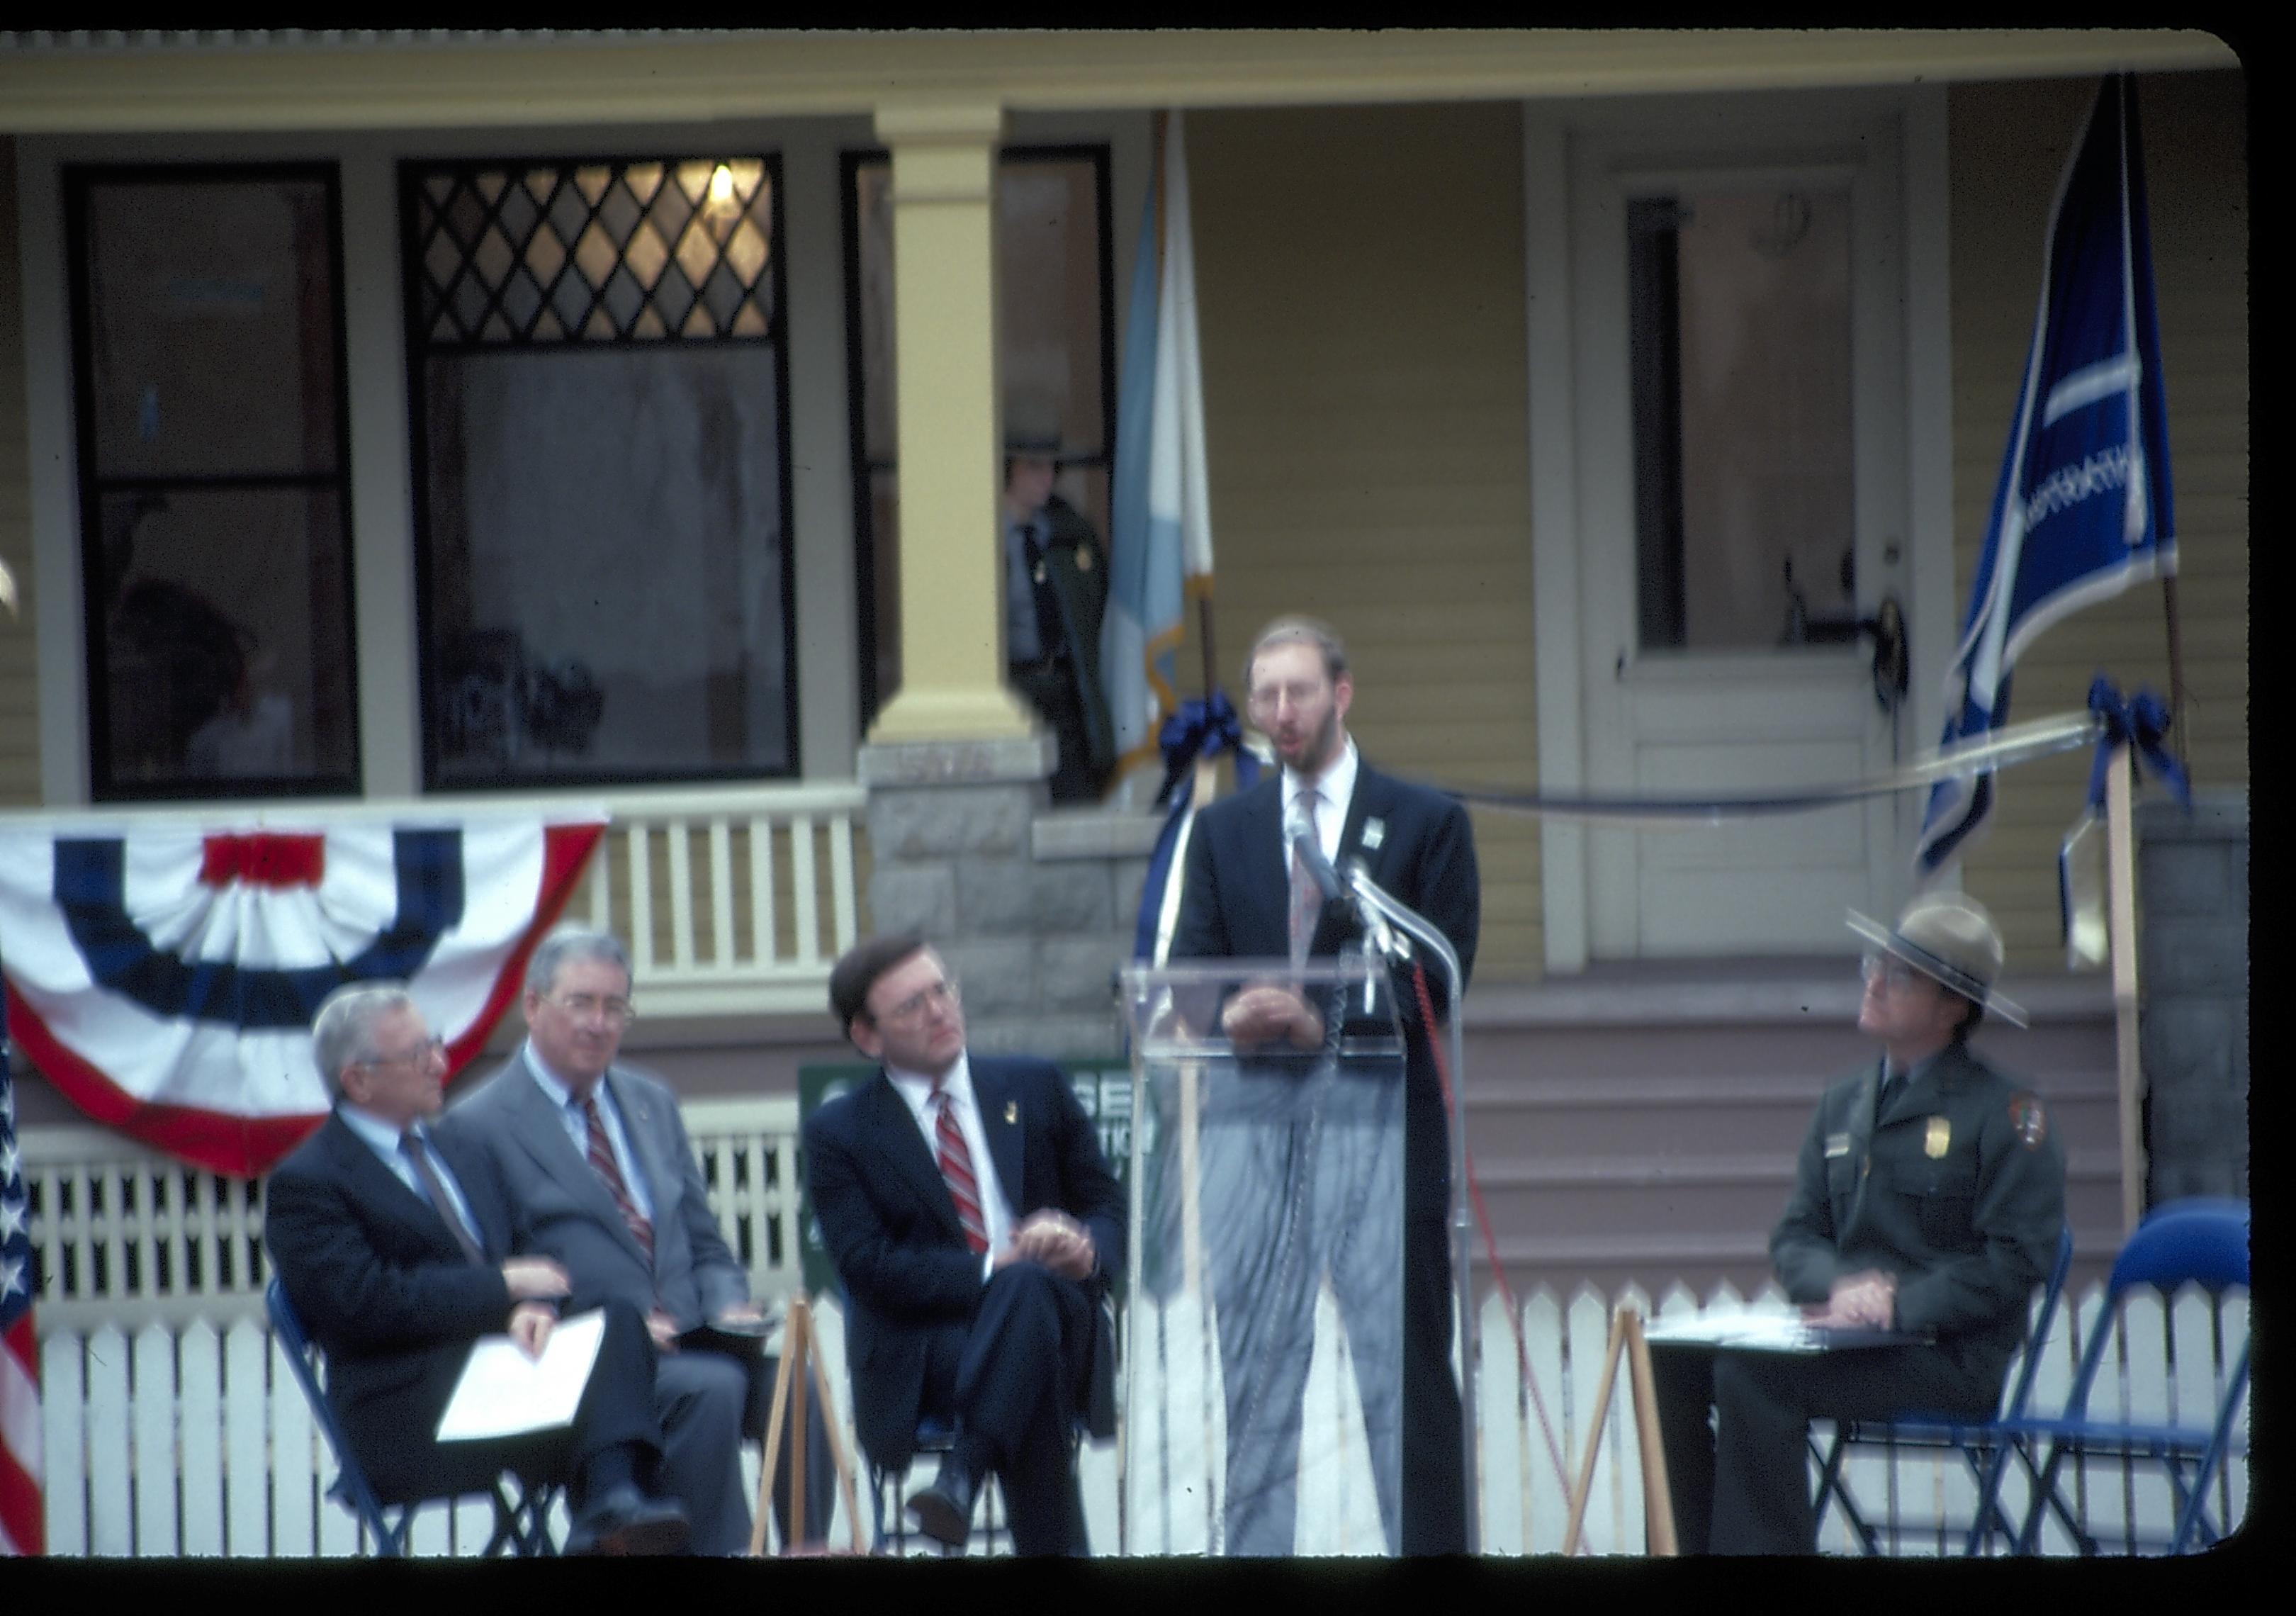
x=1490 y=1240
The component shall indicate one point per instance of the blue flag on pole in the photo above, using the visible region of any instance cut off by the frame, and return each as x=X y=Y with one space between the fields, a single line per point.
x=2083 y=507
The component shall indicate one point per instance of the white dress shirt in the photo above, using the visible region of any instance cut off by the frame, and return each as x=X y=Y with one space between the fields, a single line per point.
x=577 y=1126
x=382 y=1138
x=916 y=1089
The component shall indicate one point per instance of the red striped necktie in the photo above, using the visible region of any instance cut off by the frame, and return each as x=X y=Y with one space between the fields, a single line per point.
x=602 y=1158
x=955 y=1160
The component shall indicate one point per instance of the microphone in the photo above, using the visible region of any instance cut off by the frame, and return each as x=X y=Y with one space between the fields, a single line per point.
x=1384 y=941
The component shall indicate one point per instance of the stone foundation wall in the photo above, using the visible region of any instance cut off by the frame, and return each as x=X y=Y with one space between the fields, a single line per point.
x=2191 y=880
x=1032 y=907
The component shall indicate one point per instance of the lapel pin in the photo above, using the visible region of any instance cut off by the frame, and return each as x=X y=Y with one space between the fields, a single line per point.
x=1374 y=832
x=1012 y=1110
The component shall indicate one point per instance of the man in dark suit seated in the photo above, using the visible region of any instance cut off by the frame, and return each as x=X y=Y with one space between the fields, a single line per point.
x=976 y=1228
x=392 y=1242
x=596 y=1160
x=1244 y=898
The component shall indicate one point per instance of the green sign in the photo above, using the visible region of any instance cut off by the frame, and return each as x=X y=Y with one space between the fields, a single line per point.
x=1104 y=1087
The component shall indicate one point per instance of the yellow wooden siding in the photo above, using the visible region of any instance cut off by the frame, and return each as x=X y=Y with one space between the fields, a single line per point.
x=20 y=708
x=1360 y=289
x=2009 y=145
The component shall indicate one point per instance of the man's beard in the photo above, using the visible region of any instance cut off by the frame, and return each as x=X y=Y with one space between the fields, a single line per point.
x=1322 y=747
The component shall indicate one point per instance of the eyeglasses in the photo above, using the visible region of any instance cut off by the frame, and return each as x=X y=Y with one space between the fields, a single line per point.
x=582 y=1006
x=1268 y=698
x=1892 y=974
x=913 y=1008
x=430 y=1049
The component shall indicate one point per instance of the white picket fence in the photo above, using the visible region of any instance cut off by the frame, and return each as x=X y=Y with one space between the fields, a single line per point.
x=188 y=1439
x=125 y=1236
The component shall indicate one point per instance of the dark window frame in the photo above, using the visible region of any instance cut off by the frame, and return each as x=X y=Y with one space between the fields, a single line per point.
x=78 y=179
x=411 y=173
x=870 y=699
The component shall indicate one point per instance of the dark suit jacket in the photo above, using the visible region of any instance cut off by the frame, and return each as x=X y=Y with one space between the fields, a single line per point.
x=565 y=1210
x=387 y=1291
x=1237 y=900
x=891 y=1227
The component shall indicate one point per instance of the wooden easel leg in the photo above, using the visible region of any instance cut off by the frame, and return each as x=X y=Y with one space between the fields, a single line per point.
x=801 y=1342
x=772 y=1448
x=1658 y=1497
x=1585 y=1481
x=837 y=1455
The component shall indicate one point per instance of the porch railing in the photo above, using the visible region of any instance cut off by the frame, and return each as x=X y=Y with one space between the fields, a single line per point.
x=734 y=899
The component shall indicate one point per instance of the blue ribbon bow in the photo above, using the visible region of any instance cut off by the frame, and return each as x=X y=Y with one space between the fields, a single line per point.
x=2142 y=723
x=1203 y=729
x=1200 y=729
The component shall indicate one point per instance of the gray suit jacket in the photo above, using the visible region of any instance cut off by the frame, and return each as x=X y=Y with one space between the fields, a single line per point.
x=565 y=1210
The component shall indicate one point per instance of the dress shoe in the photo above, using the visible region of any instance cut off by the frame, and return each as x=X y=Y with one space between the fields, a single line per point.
x=623 y=1520
x=944 y=1511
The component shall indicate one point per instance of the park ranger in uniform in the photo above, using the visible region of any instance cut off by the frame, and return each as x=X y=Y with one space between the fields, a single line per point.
x=1928 y=1200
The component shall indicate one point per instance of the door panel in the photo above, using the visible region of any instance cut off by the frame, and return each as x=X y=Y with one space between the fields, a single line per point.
x=1712 y=452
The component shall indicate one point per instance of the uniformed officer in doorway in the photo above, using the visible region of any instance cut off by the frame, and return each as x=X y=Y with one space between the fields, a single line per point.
x=1056 y=591
x=1928 y=1200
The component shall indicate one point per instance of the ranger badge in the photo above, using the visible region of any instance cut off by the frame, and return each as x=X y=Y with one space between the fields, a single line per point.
x=1939 y=1138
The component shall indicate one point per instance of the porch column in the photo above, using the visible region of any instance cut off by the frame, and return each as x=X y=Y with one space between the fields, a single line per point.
x=948 y=425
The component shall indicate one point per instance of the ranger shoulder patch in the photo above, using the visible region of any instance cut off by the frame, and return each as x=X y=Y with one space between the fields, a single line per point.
x=2030 y=1118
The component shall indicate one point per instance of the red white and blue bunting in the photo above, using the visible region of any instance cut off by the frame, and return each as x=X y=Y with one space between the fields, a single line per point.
x=164 y=977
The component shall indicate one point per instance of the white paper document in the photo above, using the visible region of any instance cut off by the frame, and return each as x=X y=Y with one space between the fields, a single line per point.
x=504 y=1393
x=1771 y=1333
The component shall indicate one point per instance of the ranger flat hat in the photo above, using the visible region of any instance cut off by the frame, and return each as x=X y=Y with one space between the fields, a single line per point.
x=1952 y=941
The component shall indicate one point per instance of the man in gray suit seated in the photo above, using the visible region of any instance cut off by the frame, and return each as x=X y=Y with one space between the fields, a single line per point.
x=597 y=1158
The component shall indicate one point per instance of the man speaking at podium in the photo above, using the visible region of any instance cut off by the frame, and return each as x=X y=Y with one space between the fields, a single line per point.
x=1245 y=896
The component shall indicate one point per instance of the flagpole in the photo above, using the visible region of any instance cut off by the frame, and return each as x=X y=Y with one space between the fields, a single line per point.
x=2120 y=852
x=2175 y=671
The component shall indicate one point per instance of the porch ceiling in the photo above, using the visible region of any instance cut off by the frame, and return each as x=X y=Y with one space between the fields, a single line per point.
x=92 y=83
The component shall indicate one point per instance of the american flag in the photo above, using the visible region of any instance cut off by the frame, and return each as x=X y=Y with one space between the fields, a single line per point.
x=20 y=1530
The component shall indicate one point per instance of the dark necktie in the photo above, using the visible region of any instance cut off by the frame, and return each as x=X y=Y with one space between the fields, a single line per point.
x=602 y=1158
x=955 y=1160
x=1893 y=1084
x=410 y=1144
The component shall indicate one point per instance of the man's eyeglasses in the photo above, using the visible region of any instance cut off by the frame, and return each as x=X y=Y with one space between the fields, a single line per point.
x=1891 y=973
x=582 y=1006
x=911 y=1008
x=430 y=1049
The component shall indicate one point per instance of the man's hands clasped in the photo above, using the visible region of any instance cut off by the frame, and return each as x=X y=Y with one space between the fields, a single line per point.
x=1055 y=1240
x=1868 y=1299
x=1265 y=1012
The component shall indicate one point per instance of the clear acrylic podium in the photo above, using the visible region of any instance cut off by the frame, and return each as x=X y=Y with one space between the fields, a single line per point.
x=1263 y=1330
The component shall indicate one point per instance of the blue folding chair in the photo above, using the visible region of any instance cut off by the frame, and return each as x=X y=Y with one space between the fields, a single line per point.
x=2202 y=1242
x=1978 y=1441
x=522 y=1512
x=935 y=1436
